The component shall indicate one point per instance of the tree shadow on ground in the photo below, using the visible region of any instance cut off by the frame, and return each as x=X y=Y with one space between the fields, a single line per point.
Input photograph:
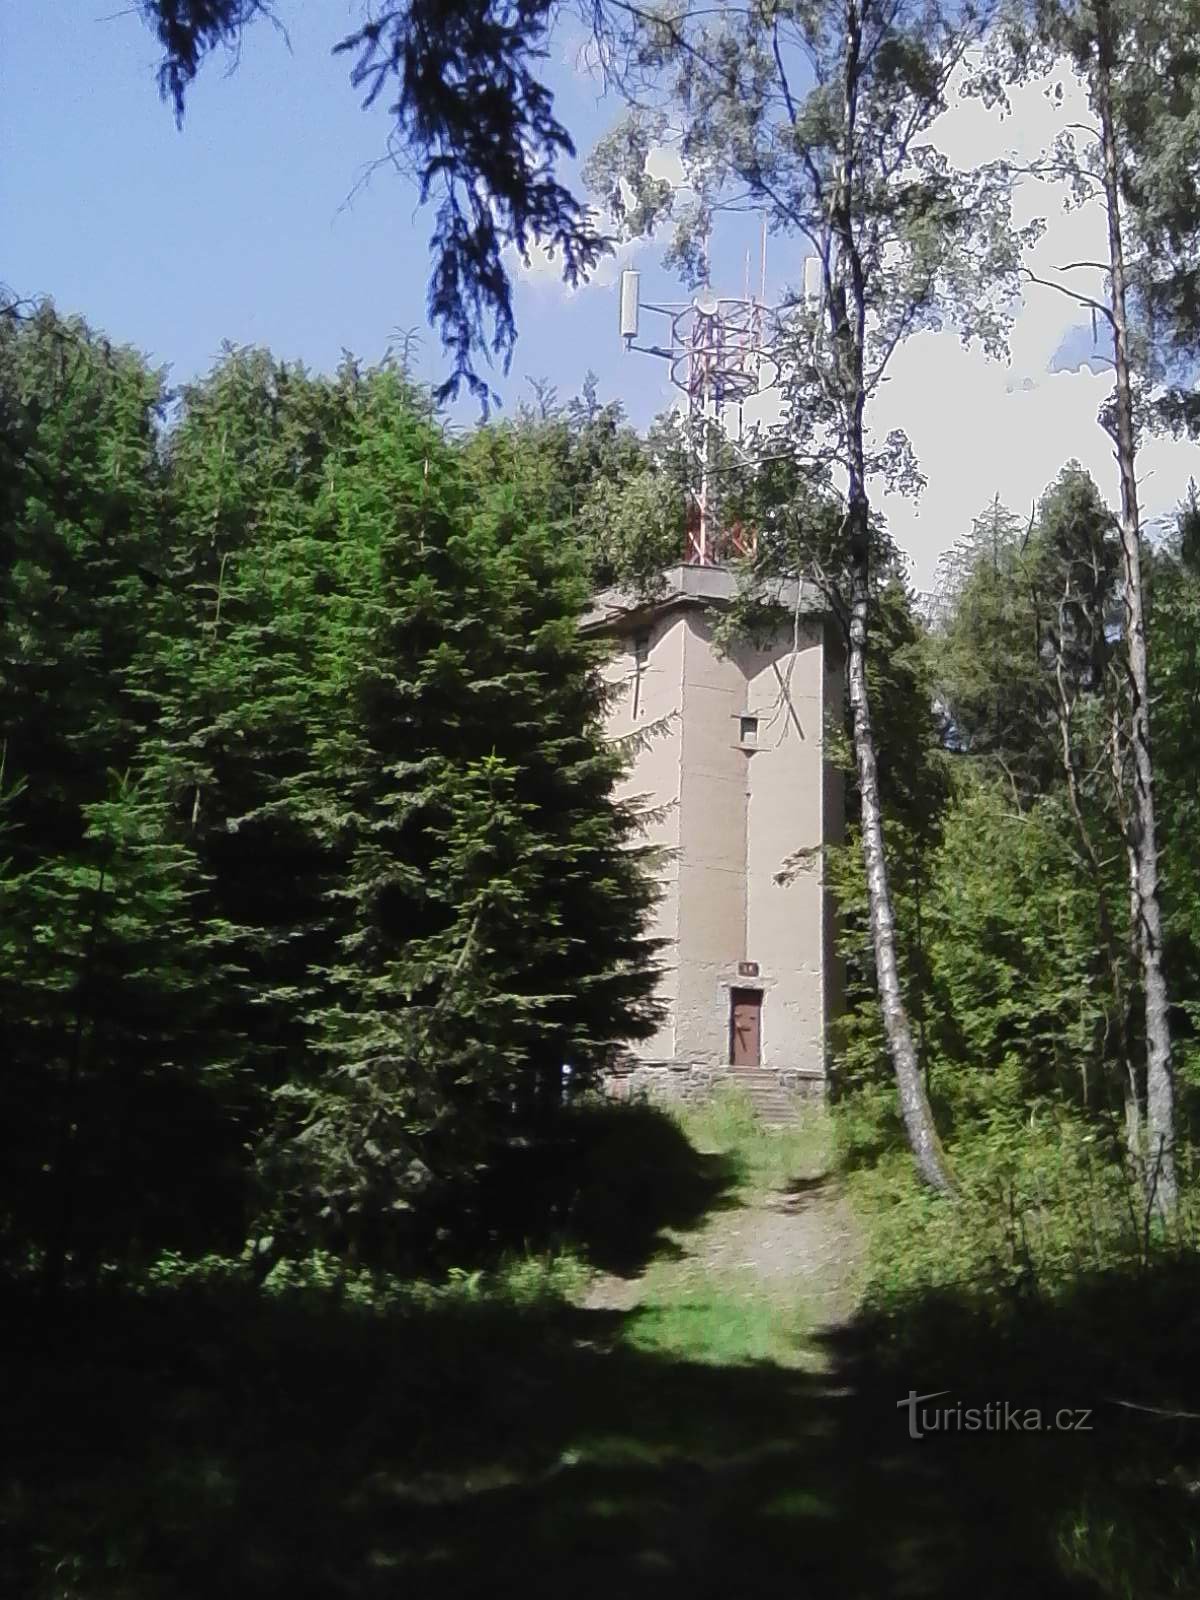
x=610 y=1181
x=200 y=1440
x=800 y=1188
x=199 y=1443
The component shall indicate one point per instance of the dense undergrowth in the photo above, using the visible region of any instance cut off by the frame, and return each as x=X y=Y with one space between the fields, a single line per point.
x=1043 y=1197
x=1047 y=1284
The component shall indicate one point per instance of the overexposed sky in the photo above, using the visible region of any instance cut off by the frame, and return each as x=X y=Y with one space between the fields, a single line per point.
x=980 y=428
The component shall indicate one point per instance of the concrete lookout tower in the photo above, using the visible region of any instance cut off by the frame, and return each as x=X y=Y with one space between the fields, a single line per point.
x=734 y=770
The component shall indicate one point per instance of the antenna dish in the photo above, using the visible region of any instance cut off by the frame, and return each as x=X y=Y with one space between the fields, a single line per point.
x=706 y=303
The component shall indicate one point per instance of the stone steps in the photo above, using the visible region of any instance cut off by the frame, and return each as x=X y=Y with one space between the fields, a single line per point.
x=773 y=1105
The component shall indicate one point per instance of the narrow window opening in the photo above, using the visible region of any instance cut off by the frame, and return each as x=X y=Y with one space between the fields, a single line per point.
x=749 y=730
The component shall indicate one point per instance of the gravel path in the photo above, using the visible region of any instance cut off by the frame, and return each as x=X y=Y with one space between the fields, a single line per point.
x=795 y=1243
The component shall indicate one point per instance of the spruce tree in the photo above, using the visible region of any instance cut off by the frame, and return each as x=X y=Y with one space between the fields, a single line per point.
x=100 y=994
x=490 y=913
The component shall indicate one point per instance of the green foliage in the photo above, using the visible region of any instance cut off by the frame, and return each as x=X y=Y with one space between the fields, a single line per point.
x=489 y=912
x=991 y=683
x=1046 y=1283
x=1012 y=939
x=914 y=782
x=1016 y=604
x=1046 y=1197
x=619 y=498
x=312 y=873
x=1010 y=946
x=1175 y=681
x=111 y=1093
x=1010 y=874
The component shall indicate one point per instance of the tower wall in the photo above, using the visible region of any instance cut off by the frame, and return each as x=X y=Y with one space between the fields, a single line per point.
x=732 y=767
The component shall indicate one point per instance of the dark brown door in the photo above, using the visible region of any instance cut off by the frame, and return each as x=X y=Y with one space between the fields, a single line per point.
x=745 y=1027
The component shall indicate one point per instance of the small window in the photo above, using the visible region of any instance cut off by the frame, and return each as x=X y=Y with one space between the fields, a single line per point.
x=641 y=645
x=749 y=730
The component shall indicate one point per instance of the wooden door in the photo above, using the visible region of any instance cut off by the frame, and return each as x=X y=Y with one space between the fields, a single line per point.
x=745 y=1027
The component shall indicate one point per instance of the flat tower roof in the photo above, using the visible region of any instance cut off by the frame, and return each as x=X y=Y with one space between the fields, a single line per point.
x=692 y=586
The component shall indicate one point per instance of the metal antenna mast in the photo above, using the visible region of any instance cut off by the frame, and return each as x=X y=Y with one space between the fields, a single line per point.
x=720 y=353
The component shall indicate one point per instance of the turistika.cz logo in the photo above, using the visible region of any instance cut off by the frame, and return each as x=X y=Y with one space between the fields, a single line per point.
x=997 y=1416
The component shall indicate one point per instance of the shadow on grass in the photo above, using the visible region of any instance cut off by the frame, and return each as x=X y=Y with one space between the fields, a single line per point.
x=802 y=1188
x=216 y=1443
x=201 y=1441
x=610 y=1181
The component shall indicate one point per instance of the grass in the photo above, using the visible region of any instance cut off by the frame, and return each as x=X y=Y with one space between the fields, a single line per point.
x=337 y=1435
x=717 y=1319
x=701 y=1311
x=761 y=1159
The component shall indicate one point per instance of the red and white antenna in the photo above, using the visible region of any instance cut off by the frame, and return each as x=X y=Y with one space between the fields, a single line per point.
x=720 y=354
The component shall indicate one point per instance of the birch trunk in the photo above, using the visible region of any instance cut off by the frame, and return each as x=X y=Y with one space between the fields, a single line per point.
x=1108 y=933
x=1160 y=1089
x=1134 y=1120
x=914 y=1102
x=845 y=294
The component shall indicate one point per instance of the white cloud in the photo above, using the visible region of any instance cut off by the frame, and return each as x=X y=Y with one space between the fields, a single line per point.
x=540 y=268
x=981 y=428
x=544 y=270
x=664 y=161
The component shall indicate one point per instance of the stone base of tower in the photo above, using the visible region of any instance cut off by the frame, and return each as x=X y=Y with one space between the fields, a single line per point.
x=770 y=1089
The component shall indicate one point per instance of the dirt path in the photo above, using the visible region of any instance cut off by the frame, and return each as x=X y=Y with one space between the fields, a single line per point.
x=795 y=1244
x=793 y=1241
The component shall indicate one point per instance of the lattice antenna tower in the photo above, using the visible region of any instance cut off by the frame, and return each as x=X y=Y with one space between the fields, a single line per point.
x=721 y=352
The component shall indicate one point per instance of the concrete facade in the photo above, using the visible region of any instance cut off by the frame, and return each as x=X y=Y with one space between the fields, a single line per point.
x=731 y=769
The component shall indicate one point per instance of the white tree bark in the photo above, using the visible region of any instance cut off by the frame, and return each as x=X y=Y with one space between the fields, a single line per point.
x=845 y=296
x=914 y=1102
x=1160 y=1088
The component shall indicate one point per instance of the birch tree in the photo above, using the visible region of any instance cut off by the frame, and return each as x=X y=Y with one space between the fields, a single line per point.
x=822 y=115
x=1124 y=161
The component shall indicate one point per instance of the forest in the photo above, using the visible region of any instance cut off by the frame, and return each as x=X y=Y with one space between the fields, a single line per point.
x=317 y=868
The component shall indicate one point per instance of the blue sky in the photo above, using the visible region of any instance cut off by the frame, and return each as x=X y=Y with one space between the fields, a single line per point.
x=237 y=227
